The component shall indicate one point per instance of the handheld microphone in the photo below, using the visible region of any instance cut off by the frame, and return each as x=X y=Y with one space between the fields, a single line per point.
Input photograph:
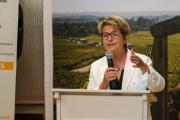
x=113 y=83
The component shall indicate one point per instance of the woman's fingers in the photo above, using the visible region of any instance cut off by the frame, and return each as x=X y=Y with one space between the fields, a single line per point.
x=110 y=74
x=132 y=52
x=136 y=60
x=110 y=69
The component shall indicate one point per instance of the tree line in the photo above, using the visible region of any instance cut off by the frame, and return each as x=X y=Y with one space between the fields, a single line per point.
x=76 y=28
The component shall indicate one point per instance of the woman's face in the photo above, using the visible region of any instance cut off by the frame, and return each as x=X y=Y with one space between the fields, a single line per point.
x=112 y=39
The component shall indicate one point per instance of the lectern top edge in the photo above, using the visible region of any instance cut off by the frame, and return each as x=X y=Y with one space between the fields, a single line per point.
x=84 y=91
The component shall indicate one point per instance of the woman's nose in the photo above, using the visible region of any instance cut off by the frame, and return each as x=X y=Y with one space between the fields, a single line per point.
x=110 y=37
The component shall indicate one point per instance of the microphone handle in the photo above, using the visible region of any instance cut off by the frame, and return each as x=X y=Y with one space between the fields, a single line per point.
x=113 y=83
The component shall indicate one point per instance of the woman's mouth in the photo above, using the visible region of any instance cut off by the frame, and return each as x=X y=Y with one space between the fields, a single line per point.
x=110 y=45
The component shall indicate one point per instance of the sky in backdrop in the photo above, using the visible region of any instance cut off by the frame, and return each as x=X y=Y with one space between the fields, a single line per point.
x=61 y=6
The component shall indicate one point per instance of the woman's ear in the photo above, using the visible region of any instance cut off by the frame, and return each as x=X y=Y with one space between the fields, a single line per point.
x=126 y=39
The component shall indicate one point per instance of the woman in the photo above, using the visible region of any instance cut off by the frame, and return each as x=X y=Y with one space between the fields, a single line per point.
x=131 y=71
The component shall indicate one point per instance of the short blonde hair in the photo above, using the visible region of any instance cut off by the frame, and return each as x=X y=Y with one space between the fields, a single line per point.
x=117 y=22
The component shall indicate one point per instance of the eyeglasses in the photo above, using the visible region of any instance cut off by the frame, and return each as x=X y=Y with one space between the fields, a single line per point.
x=114 y=35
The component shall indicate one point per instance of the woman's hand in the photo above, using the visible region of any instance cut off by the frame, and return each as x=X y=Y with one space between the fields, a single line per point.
x=138 y=62
x=109 y=75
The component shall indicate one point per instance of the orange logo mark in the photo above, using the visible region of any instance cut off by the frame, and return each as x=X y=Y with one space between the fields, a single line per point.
x=6 y=66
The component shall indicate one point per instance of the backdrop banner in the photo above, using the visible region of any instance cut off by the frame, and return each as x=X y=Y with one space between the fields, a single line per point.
x=8 y=48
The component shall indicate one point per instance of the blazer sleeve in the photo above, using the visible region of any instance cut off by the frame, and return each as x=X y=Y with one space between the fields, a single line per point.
x=156 y=82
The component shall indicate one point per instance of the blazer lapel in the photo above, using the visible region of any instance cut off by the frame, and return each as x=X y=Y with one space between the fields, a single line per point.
x=129 y=71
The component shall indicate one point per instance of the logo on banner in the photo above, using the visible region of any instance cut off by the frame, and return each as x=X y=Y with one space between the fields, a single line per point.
x=6 y=65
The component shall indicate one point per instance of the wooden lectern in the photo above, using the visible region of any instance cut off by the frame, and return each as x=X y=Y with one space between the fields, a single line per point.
x=81 y=104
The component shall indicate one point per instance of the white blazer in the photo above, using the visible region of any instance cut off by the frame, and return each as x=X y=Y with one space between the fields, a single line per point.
x=132 y=78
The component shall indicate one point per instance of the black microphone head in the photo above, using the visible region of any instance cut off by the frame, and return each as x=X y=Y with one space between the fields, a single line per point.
x=108 y=55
